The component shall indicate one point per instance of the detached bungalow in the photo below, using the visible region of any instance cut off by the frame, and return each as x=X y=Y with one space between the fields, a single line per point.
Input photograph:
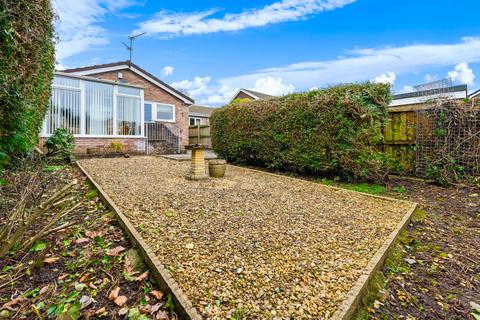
x=250 y=95
x=116 y=102
x=200 y=115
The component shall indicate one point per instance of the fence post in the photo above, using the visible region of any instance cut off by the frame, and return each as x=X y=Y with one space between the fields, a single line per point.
x=179 y=131
x=198 y=133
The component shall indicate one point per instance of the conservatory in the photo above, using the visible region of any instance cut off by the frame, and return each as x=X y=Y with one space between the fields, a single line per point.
x=96 y=112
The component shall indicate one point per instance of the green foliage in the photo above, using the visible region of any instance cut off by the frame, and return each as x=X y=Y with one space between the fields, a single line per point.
x=116 y=146
x=331 y=132
x=27 y=60
x=60 y=144
x=366 y=188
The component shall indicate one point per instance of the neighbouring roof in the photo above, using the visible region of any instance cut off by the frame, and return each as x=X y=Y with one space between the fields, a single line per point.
x=122 y=65
x=254 y=94
x=200 y=111
x=416 y=97
x=474 y=94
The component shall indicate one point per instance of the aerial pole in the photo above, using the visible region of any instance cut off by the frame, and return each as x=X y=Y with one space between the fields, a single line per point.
x=130 y=47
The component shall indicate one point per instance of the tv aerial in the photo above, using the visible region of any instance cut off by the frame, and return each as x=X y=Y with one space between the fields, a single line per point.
x=130 y=47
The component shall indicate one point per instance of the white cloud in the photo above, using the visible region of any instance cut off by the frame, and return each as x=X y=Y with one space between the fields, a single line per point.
x=408 y=89
x=78 y=26
x=272 y=86
x=430 y=77
x=359 y=65
x=168 y=23
x=462 y=74
x=388 y=77
x=194 y=88
x=167 y=70
x=364 y=64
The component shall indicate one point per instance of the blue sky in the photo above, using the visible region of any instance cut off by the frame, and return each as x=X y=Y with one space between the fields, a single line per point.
x=209 y=48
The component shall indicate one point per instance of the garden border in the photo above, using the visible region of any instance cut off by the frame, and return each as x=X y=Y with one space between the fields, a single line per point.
x=183 y=306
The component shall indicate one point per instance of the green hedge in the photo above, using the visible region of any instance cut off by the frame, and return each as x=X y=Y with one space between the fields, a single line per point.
x=27 y=61
x=331 y=132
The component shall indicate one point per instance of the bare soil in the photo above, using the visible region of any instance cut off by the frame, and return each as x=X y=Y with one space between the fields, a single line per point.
x=442 y=279
x=70 y=274
x=251 y=245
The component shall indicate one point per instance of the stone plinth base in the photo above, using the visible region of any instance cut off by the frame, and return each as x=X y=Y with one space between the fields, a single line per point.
x=197 y=170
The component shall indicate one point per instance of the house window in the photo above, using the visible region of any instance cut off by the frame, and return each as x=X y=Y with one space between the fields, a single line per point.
x=128 y=116
x=195 y=121
x=147 y=111
x=98 y=108
x=165 y=112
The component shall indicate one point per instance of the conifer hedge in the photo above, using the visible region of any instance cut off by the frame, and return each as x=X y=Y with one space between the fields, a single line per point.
x=27 y=61
x=330 y=132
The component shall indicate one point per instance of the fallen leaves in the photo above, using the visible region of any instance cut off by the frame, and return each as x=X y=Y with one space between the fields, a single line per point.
x=116 y=251
x=114 y=294
x=120 y=301
x=142 y=277
x=51 y=260
x=94 y=234
x=157 y=294
x=82 y=240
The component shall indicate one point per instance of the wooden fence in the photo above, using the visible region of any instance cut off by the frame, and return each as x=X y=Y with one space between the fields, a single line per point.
x=399 y=135
x=415 y=135
x=199 y=134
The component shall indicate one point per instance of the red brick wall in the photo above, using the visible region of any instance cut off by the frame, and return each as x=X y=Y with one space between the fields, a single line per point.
x=130 y=145
x=156 y=94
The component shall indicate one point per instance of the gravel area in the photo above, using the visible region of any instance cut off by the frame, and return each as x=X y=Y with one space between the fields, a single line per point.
x=251 y=245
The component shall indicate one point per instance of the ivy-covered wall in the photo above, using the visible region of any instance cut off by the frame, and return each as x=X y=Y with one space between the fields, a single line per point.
x=331 y=132
x=27 y=62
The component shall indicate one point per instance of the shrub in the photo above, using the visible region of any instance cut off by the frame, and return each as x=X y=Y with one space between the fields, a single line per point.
x=60 y=144
x=116 y=146
x=27 y=61
x=336 y=131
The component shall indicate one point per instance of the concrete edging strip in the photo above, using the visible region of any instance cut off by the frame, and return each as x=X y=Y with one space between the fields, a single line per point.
x=167 y=284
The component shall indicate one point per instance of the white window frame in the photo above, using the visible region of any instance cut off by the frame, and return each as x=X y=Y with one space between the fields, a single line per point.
x=154 y=111
x=82 y=134
x=196 y=118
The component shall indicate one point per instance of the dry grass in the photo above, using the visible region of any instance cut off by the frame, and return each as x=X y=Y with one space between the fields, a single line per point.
x=252 y=244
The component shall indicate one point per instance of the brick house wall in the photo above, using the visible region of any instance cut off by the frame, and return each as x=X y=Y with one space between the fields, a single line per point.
x=130 y=145
x=155 y=94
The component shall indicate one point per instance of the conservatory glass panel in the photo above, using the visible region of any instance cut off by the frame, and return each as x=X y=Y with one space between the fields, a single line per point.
x=66 y=82
x=129 y=90
x=64 y=111
x=98 y=108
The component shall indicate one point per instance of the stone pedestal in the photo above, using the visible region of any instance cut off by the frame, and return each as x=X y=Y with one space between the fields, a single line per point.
x=197 y=170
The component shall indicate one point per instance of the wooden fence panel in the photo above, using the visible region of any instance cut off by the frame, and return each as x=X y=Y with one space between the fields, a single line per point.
x=199 y=134
x=399 y=135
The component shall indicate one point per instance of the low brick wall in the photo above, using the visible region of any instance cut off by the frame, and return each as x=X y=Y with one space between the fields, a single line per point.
x=130 y=145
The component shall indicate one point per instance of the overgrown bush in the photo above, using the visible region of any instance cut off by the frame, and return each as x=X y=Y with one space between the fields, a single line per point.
x=27 y=61
x=60 y=144
x=331 y=132
x=447 y=142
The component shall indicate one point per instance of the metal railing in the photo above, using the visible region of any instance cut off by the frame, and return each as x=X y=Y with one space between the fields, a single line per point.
x=160 y=133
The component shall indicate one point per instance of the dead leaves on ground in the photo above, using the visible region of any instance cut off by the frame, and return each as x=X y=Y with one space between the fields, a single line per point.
x=116 y=251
